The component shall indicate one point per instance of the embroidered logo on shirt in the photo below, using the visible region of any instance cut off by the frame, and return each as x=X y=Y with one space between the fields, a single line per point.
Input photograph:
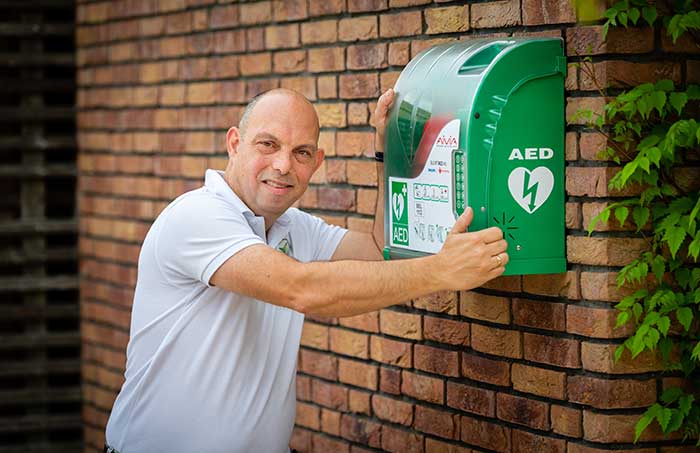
x=285 y=247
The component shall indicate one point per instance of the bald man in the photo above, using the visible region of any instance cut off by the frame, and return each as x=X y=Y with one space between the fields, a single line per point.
x=227 y=273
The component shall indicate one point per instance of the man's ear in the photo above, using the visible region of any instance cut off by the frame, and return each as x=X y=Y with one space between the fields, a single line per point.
x=320 y=156
x=233 y=139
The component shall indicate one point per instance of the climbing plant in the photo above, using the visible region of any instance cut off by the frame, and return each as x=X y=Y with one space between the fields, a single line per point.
x=653 y=133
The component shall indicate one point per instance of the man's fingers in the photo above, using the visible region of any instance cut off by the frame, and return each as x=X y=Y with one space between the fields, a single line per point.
x=492 y=234
x=494 y=248
x=463 y=221
x=385 y=101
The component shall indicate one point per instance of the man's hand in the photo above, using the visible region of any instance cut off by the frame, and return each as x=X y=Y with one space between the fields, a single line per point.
x=468 y=260
x=381 y=115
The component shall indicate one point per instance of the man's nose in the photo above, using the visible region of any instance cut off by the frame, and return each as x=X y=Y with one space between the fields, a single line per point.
x=282 y=161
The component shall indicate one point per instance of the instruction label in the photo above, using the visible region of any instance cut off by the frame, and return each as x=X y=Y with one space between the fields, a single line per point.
x=422 y=210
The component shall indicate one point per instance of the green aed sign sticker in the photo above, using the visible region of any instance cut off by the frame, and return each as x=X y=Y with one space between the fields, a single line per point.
x=399 y=213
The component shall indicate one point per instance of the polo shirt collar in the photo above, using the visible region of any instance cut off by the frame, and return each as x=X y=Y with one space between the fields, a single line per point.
x=214 y=181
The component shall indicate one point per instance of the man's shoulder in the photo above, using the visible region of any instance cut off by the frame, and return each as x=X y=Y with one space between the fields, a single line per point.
x=199 y=203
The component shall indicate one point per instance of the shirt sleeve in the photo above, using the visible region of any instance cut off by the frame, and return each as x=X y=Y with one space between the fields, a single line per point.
x=324 y=238
x=198 y=235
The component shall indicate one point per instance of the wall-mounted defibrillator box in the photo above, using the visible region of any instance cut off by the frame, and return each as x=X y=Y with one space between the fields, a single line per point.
x=479 y=123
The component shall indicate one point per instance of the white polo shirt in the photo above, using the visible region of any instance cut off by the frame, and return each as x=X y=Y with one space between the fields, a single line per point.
x=209 y=370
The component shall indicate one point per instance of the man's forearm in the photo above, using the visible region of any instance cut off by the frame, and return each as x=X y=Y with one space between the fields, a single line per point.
x=347 y=288
x=378 y=228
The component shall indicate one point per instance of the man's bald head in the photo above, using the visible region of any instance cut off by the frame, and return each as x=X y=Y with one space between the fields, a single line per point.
x=283 y=95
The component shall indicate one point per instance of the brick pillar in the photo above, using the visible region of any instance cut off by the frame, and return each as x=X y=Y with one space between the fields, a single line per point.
x=523 y=364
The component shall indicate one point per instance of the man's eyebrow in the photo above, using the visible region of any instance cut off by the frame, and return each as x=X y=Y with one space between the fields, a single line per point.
x=266 y=136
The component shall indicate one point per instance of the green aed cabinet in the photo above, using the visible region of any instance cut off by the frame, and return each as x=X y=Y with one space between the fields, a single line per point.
x=479 y=123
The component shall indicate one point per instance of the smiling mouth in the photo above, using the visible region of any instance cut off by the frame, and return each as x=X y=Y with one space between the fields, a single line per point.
x=277 y=184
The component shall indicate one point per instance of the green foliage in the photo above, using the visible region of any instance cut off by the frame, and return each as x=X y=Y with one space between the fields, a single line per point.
x=653 y=130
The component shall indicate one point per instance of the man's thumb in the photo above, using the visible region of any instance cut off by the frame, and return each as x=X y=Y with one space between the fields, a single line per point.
x=463 y=221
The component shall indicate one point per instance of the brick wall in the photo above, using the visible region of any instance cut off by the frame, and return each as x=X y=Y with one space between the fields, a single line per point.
x=523 y=364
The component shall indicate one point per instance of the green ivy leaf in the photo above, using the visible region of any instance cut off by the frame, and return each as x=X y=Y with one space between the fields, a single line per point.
x=658 y=267
x=693 y=92
x=671 y=394
x=640 y=214
x=695 y=355
x=678 y=101
x=633 y=15
x=658 y=101
x=664 y=324
x=664 y=417
x=649 y=13
x=665 y=85
x=646 y=420
x=621 y=214
x=694 y=247
x=620 y=350
x=622 y=319
x=685 y=317
x=685 y=403
x=674 y=236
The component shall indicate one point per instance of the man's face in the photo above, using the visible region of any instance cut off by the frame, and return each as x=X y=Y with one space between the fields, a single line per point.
x=272 y=162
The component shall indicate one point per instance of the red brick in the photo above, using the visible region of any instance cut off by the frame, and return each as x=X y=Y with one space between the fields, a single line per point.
x=255 y=64
x=397 y=353
x=611 y=394
x=327 y=87
x=325 y=59
x=366 y=201
x=356 y=6
x=400 y=441
x=600 y=358
x=318 y=364
x=436 y=360
x=485 y=434
x=540 y=12
x=611 y=428
x=423 y=387
x=390 y=380
x=282 y=36
x=367 y=56
x=224 y=16
x=482 y=306
x=329 y=395
x=595 y=322
x=362 y=173
x=563 y=352
x=399 y=53
x=369 y=322
x=330 y=422
x=326 y=7
x=358 y=28
x=446 y=331
x=289 y=10
x=291 y=61
x=331 y=115
x=349 y=343
x=591 y=210
x=404 y=325
x=588 y=40
x=564 y=284
x=393 y=410
x=539 y=314
x=308 y=416
x=437 y=446
x=357 y=373
x=357 y=86
x=575 y=109
x=256 y=13
x=353 y=143
x=323 y=444
x=324 y=31
x=523 y=411
x=401 y=24
x=578 y=448
x=510 y=283
x=524 y=442
x=436 y=422
x=485 y=370
x=449 y=19
x=566 y=421
x=362 y=431
x=315 y=336
x=538 y=381
x=471 y=399
x=301 y=84
x=405 y=3
x=501 y=342
x=336 y=199
x=495 y=14
x=604 y=250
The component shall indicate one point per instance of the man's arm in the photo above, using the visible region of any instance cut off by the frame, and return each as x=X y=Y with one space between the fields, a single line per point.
x=365 y=246
x=347 y=288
